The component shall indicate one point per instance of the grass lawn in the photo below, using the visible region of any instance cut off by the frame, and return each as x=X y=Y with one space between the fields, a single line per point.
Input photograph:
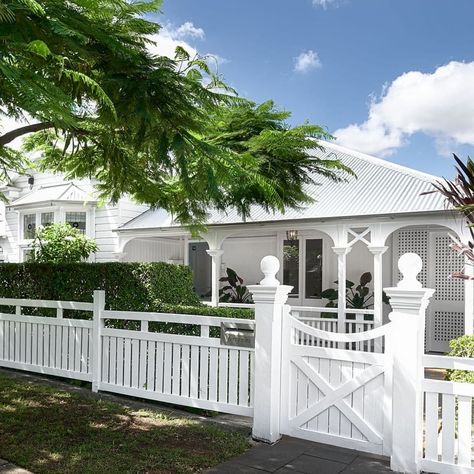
x=49 y=430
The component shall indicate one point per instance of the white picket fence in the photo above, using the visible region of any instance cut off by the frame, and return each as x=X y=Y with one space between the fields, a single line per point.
x=448 y=417
x=186 y=370
x=54 y=346
x=363 y=389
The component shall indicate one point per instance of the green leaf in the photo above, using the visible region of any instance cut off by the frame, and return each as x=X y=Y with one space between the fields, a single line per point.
x=40 y=48
x=330 y=294
x=365 y=278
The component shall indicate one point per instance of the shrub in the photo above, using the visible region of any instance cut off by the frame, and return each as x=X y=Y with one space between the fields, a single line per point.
x=461 y=347
x=128 y=286
x=61 y=243
x=159 y=287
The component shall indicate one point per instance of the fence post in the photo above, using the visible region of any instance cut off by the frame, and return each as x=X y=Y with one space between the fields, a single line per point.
x=97 y=325
x=269 y=298
x=406 y=345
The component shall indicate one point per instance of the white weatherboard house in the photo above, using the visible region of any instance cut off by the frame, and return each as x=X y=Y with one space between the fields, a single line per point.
x=362 y=225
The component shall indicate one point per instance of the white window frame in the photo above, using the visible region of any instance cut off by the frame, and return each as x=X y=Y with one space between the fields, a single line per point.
x=327 y=253
x=59 y=216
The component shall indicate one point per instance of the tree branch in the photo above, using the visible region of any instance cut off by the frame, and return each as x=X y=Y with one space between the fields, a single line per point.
x=18 y=132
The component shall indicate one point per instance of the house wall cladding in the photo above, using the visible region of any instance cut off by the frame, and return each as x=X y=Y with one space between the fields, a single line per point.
x=103 y=218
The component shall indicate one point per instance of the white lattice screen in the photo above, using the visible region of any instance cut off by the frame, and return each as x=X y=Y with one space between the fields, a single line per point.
x=414 y=240
x=445 y=316
x=447 y=261
x=448 y=325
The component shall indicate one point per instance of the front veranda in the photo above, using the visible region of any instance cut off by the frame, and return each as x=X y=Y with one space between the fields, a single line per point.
x=317 y=254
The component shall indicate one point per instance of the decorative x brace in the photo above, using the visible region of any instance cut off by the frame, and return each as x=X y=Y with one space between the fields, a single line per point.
x=335 y=397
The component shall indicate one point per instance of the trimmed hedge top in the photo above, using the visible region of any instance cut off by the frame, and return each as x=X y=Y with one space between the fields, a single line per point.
x=156 y=286
x=128 y=286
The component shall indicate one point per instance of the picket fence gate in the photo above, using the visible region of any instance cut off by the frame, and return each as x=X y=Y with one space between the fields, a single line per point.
x=364 y=390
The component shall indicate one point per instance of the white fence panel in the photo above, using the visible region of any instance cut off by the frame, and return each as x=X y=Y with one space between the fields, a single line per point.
x=48 y=345
x=187 y=370
x=448 y=416
x=326 y=319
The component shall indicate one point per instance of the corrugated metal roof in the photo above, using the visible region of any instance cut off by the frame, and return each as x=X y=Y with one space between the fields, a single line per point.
x=380 y=188
x=60 y=192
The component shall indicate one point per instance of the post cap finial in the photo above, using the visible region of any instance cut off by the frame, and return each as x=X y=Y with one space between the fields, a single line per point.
x=270 y=266
x=410 y=265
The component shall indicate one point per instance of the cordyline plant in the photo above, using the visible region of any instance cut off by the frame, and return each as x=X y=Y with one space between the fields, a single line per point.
x=459 y=193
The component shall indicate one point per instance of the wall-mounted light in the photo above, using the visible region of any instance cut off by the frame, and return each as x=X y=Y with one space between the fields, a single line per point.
x=31 y=181
x=291 y=235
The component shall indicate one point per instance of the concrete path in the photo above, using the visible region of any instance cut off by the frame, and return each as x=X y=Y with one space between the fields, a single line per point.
x=8 y=468
x=291 y=455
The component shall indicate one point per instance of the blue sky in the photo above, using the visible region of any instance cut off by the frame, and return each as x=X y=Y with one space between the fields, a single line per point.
x=406 y=64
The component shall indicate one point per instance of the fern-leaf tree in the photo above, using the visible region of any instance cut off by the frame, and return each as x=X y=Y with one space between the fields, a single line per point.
x=94 y=99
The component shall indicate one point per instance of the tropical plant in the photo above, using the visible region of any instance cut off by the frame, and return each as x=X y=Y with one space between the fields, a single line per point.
x=357 y=297
x=459 y=194
x=81 y=74
x=61 y=243
x=234 y=291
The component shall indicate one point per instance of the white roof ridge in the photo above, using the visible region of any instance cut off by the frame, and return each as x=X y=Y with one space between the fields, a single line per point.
x=69 y=186
x=57 y=185
x=381 y=162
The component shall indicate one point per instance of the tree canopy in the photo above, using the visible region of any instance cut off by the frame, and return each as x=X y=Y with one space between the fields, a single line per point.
x=168 y=132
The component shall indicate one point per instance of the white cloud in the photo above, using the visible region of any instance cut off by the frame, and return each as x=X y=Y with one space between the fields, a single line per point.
x=170 y=37
x=187 y=30
x=438 y=104
x=306 y=61
x=325 y=3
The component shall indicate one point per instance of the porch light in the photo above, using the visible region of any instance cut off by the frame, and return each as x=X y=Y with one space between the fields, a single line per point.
x=291 y=235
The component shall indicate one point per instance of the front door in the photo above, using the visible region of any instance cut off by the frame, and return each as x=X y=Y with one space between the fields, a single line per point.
x=200 y=264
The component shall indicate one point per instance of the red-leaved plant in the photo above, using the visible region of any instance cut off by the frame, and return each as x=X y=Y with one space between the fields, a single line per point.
x=459 y=193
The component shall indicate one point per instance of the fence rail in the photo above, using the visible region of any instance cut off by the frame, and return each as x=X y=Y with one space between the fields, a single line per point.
x=195 y=371
x=47 y=345
x=448 y=418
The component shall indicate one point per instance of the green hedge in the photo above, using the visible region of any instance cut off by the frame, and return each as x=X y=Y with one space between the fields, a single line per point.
x=128 y=286
x=461 y=347
x=159 y=287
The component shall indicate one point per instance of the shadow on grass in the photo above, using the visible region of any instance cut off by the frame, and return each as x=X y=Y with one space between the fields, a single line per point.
x=47 y=430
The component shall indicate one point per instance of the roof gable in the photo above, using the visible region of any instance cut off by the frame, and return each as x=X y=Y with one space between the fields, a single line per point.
x=66 y=192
